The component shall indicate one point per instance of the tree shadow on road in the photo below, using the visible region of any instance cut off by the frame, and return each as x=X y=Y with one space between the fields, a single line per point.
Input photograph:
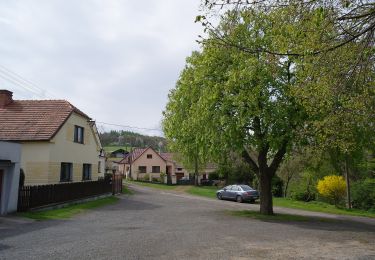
x=308 y=222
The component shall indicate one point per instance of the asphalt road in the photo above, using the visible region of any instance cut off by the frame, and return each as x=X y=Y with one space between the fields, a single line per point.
x=153 y=224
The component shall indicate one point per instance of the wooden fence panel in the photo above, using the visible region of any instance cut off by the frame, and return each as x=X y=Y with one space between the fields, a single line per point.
x=36 y=196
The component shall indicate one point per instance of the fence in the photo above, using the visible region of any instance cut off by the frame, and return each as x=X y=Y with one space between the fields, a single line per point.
x=116 y=184
x=36 y=196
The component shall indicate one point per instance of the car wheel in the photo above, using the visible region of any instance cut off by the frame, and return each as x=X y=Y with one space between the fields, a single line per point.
x=239 y=199
x=219 y=196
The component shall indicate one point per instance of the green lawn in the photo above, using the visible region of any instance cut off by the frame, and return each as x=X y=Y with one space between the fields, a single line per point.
x=210 y=192
x=205 y=191
x=69 y=211
x=276 y=217
x=153 y=185
x=320 y=207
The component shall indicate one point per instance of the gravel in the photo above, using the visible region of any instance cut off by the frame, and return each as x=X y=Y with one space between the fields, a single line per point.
x=154 y=224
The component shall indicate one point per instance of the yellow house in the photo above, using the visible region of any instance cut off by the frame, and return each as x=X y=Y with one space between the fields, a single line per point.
x=59 y=143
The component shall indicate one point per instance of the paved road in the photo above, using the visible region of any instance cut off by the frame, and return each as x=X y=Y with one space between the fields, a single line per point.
x=155 y=224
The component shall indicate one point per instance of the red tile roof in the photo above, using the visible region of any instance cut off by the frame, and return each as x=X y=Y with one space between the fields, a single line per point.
x=135 y=154
x=34 y=120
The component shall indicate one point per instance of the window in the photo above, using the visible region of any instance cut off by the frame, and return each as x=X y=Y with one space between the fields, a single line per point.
x=142 y=169
x=149 y=156
x=99 y=166
x=66 y=172
x=179 y=169
x=155 y=169
x=78 y=134
x=86 y=172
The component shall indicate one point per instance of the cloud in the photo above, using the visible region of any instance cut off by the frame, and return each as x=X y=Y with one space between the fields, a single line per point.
x=115 y=60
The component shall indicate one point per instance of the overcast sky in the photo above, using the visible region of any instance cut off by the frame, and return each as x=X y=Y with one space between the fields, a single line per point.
x=116 y=60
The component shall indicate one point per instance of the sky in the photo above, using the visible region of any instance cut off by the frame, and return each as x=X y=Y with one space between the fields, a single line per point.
x=116 y=60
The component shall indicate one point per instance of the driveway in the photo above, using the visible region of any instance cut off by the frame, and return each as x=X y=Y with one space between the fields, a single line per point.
x=153 y=224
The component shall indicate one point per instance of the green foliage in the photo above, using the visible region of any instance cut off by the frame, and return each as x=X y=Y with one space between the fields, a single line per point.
x=155 y=179
x=213 y=176
x=277 y=186
x=333 y=188
x=146 y=177
x=363 y=194
x=235 y=170
x=319 y=206
x=256 y=102
x=127 y=139
x=304 y=189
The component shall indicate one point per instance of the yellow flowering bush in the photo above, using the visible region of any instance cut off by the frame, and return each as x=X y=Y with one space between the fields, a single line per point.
x=333 y=188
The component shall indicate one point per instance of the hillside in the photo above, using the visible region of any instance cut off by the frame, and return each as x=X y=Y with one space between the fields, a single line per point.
x=126 y=139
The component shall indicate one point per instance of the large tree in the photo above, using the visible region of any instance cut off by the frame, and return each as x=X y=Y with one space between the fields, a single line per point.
x=243 y=102
x=260 y=103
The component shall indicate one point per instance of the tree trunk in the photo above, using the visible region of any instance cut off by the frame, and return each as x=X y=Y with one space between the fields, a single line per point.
x=196 y=173
x=266 y=207
x=347 y=178
x=286 y=187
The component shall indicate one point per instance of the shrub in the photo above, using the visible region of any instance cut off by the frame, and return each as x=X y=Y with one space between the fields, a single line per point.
x=303 y=195
x=162 y=176
x=277 y=186
x=156 y=179
x=146 y=177
x=213 y=176
x=333 y=188
x=363 y=194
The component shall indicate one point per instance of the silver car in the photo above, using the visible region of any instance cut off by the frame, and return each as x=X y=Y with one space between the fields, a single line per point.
x=239 y=193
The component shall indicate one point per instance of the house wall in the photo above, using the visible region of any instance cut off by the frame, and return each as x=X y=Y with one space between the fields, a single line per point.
x=42 y=160
x=10 y=156
x=143 y=161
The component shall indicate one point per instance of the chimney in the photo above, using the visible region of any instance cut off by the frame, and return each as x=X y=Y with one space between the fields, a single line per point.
x=5 y=98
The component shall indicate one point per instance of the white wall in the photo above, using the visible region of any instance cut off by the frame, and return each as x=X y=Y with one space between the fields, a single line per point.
x=10 y=157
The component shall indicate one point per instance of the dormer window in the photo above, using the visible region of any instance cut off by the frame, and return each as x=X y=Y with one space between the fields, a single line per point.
x=149 y=156
x=78 y=134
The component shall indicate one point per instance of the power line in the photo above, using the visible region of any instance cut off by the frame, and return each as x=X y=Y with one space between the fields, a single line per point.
x=134 y=127
x=24 y=83
x=18 y=83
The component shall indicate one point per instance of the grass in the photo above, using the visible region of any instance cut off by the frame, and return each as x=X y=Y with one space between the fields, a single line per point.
x=276 y=217
x=69 y=211
x=153 y=185
x=317 y=206
x=126 y=190
x=205 y=191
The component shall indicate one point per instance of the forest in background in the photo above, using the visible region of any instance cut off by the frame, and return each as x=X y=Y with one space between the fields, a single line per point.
x=131 y=139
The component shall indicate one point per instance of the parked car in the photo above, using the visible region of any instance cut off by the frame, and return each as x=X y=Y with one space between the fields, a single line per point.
x=239 y=193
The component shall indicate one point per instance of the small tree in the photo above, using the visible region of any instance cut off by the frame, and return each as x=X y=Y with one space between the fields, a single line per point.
x=333 y=188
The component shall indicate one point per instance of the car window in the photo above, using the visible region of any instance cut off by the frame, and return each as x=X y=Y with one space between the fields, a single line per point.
x=228 y=187
x=246 y=187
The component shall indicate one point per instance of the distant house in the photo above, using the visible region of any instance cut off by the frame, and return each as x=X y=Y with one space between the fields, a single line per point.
x=59 y=143
x=10 y=156
x=119 y=153
x=144 y=163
